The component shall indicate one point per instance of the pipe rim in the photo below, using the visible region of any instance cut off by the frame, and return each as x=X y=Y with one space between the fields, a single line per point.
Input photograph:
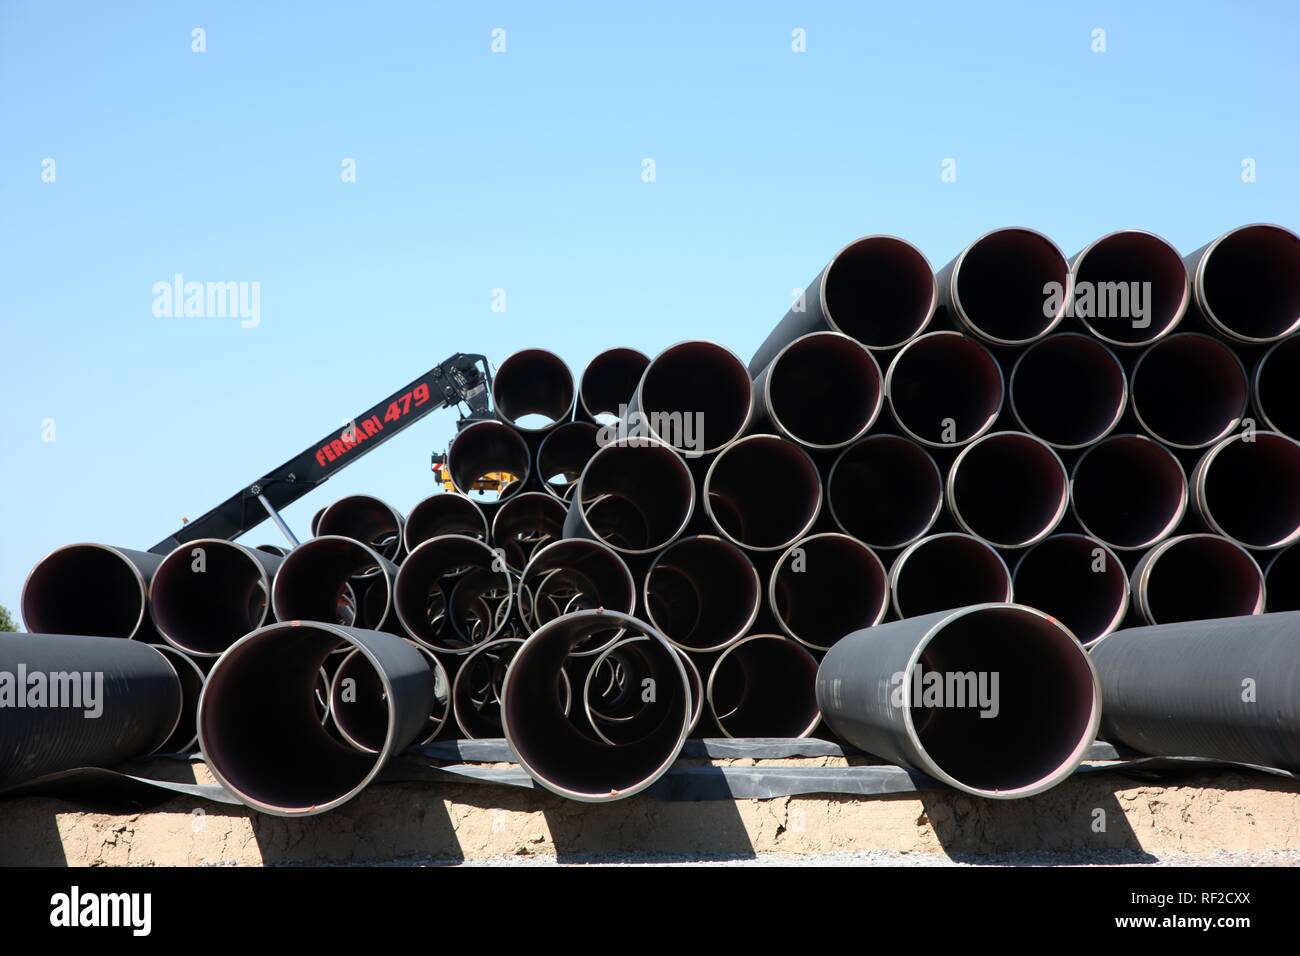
x=556 y=363
x=382 y=563
x=751 y=618
x=180 y=710
x=1202 y=303
x=933 y=336
x=1168 y=529
x=807 y=525
x=397 y=518
x=1231 y=426
x=1200 y=478
x=264 y=582
x=331 y=716
x=1257 y=381
x=547 y=486
x=895 y=572
x=117 y=553
x=959 y=310
x=639 y=404
x=1062 y=506
x=685 y=471
x=1142 y=574
x=886 y=438
x=1183 y=303
x=713 y=672
x=628 y=351
x=395 y=606
x=502 y=428
x=467 y=502
x=784 y=431
x=693 y=679
x=564 y=543
x=885 y=596
x=1055 y=339
x=907 y=248
x=455 y=709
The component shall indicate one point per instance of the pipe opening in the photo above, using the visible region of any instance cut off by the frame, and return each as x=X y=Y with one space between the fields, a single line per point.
x=1078 y=581
x=944 y=389
x=763 y=492
x=1069 y=390
x=696 y=397
x=764 y=686
x=1283 y=580
x=316 y=583
x=614 y=693
x=947 y=571
x=525 y=523
x=1009 y=489
x=703 y=593
x=577 y=574
x=824 y=390
x=209 y=593
x=476 y=692
x=444 y=513
x=1129 y=492
x=885 y=491
x=1249 y=283
x=452 y=593
x=1277 y=387
x=362 y=518
x=483 y=451
x=1119 y=271
x=533 y=390
x=997 y=285
x=1250 y=490
x=1189 y=390
x=562 y=456
x=1198 y=577
x=609 y=382
x=879 y=290
x=636 y=497
x=826 y=587
x=88 y=589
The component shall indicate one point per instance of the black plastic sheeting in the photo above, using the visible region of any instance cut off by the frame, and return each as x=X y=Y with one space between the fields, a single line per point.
x=469 y=762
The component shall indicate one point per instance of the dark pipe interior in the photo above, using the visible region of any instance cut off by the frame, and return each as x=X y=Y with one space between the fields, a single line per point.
x=702 y=593
x=948 y=571
x=824 y=390
x=1044 y=700
x=617 y=706
x=261 y=729
x=486 y=447
x=448 y=593
x=182 y=738
x=835 y=587
x=1009 y=489
x=699 y=385
x=1202 y=577
x=1128 y=257
x=880 y=291
x=1283 y=581
x=1277 y=387
x=1252 y=282
x=941 y=376
x=577 y=574
x=444 y=514
x=83 y=589
x=609 y=381
x=364 y=519
x=1077 y=581
x=476 y=692
x=1252 y=490
x=525 y=523
x=205 y=611
x=765 y=687
x=1069 y=390
x=1129 y=491
x=313 y=584
x=764 y=492
x=637 y=497
x=1000 y=284
x=885 y=490
x=563 y=454
x=533 y=389
x=1189 y=390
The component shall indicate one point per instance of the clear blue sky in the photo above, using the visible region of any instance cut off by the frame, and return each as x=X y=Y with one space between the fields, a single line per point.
x=522 y=170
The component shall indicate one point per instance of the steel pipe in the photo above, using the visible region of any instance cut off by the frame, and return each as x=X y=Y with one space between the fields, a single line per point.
x=525 y=523
x=557 y=754
x=621 y=716
x=488 y=448
x=822 y=391
x=116 y=700
x=444 y=513
x=944 y=389
x=694 y=396
x=1130 y=288
x=184 y=738
x=577 y=574
x=763 y=492
x=1282 y=580
x=533 y=391
x=319 y=581
x=1221 y=690
x=703 y=593
x=1277 y=387
x=357 y=705
x=608 y=383
x=259 y=729
x=1247 y=488
x=1077 y=580
x=1189 y=390
x=453 y=592
x=275 y=549
x=363 y=518
x=476 y=691
x=563 y=454
x=946 y=571
x=208 y=593
x=1069 y=390
x=764 y=686
x=637 y=497
x=826 y=586
x=1246 y=283
x=1194 y=577
x=994 y=288
x=90 y=589
x=1009 y=489
x=996 y=700
x=1128 y=492
x=885 y=490
x=879 y=290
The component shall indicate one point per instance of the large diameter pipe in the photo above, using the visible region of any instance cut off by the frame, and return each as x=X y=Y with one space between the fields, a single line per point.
x=944 y=389
x=488 y=448
x=577 y=574
x=994 y=288
x=885 y=490
x=826 y=586
x=1220 y=689
x=1189 y=390
x=879 y=290
x=764 y=686
x=1069 y=390
x=703 y=593
x=1247 y=488
x=613 y=697
x=90 y=589
x=635 y=496
x=997 y=700
x=1077 y=580
x=101 y=701
x=1282 y=580
x=366 y=519
x=1128 y=492
x=476 y=691
x=763 y=492
x=1130 y=288
x=261 y=734
x=695 y=397
x=453 y=592
x=946 y=571
x=334 y=580
x=822 y=391
x=185 y=737
x=1195 y=577
x=1276 y=387
x=357 y=705
x=444 y=513
x=563 y=454
x=208 y=593
x=1246 y=283
x=533 y=390
x=557 y=754
x=524 y=523
x=1009 y=489
x=608 y=383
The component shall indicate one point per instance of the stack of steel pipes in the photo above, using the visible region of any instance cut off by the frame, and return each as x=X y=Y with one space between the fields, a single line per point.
x=983 y=471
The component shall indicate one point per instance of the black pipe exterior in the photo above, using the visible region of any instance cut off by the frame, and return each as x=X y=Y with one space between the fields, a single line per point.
x=185 y=738
x=359 y=710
